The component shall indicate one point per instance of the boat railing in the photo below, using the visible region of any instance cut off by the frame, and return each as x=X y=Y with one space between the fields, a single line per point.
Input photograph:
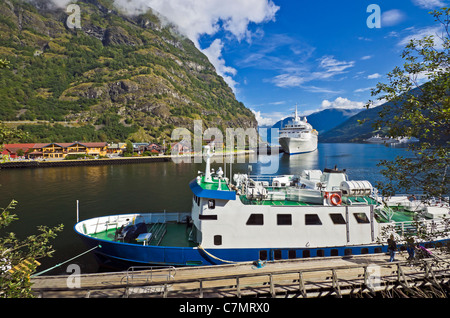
x=422 y=197
x=138 y=275
x=439 y=227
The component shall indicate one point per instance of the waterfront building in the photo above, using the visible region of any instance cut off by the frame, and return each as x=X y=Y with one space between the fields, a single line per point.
x=54 y=150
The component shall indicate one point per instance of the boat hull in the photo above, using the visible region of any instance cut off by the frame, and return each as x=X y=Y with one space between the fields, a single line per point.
x=292 y=145
x=121 y=256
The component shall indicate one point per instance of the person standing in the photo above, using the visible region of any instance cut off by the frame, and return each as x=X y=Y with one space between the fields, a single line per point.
x=410 y=248
x=392 y=247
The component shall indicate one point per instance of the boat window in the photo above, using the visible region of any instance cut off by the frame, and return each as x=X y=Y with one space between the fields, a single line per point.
x=320 y=253
x=361 y=218
x=217 y=239
x=312 y=219
x=284 y=219
x=306 y=253
x=263 y=255
x=255 y=219
x=277 y=254
x=348 y=251
x=207 y=217
x=292 y=254
x=337 y=218
x=334 y=252
x=197 y=200
x=364 y=250
x=211 y=204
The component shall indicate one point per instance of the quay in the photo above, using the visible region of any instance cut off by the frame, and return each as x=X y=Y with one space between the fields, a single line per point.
x=17 y=164
x=81 y=162
x=362 y=275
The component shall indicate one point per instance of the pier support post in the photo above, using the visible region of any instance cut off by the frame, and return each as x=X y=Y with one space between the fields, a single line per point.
x=301 y=285
x=336 y=287
x=272 y=288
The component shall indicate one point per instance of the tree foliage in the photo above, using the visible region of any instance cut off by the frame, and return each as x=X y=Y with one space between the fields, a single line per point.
x=20 y=252
x=419 y=93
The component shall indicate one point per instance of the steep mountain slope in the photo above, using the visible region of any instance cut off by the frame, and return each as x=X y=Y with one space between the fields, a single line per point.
x=356 y=128
x=118 y=76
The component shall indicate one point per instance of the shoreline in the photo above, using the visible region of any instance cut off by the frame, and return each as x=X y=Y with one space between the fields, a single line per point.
x=99 y=162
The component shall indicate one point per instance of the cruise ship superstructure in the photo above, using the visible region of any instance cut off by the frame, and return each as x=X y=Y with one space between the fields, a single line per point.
x=298 y=136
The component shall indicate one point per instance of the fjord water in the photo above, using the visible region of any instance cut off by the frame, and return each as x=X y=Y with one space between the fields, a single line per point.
x=48 y=196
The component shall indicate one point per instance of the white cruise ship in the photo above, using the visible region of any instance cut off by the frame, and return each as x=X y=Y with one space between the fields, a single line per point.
x=298 y=136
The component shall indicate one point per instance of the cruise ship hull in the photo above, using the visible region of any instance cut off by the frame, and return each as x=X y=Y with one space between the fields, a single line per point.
x=292 y=145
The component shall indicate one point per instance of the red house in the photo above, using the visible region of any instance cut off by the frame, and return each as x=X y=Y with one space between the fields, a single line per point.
x=16 y=150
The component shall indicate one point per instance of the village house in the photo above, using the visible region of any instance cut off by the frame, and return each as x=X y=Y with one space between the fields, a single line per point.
x=182 y=147
x=15 y=151
x=54 y=150
x=116 y=148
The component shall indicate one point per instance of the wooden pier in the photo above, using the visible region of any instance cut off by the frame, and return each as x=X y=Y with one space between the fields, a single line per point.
x=361 y=276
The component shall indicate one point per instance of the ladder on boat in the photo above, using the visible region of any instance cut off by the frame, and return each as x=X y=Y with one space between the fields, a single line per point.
x=158 y=231
x=386 y=213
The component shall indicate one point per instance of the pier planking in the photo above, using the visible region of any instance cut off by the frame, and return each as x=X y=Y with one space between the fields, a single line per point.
x=313 y=277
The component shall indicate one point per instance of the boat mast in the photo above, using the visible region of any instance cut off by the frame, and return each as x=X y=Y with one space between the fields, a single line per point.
x=208 y=156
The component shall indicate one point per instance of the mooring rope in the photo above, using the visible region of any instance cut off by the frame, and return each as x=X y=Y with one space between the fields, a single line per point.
x=53 y=267
x=219 y=259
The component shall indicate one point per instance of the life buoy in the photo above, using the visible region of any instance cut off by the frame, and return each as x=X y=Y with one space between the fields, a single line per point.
x=335 y=199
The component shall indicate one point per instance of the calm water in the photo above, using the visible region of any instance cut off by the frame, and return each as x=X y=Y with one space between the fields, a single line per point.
x=48 y=196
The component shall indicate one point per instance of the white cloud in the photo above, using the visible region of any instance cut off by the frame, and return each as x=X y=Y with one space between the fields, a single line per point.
x=333 y=66
x=196 y=18
x=392 y=17
x=343 y=103
x=268 y=119
x=373 y=76
x=429 y=4
x=365 y=89
x=214 y=54
x=366 y=57
x=288 y=80
x=418 y=34
x=327 y=68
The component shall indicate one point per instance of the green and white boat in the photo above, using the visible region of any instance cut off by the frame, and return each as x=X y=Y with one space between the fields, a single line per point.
x=313 y=214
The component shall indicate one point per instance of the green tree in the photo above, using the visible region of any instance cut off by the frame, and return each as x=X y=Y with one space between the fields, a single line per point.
x=419 y=107
x=130 y=148
x=4 y=63
x=21 y=253
x=18 y=258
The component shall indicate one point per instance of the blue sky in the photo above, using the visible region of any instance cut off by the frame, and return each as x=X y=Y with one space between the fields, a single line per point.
x=318 y=54
x=279 y=53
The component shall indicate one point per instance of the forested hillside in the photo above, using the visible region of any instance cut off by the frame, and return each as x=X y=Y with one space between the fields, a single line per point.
x=117 y=77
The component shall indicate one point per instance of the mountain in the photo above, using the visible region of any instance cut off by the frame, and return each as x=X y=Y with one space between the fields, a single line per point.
x=117 y=77
x=323 y=120
x=327 y=119
x=356 y=128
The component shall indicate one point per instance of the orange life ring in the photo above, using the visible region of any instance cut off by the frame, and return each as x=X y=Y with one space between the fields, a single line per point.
x=335 y=199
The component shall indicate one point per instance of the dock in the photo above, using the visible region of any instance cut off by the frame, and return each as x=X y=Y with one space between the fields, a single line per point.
x=354 y=276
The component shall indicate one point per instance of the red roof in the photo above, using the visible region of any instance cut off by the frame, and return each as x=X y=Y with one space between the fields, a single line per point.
x=25 y=147
x=13 y=148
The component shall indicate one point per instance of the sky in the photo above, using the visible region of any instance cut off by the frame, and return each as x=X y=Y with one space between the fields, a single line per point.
x=276 y=54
